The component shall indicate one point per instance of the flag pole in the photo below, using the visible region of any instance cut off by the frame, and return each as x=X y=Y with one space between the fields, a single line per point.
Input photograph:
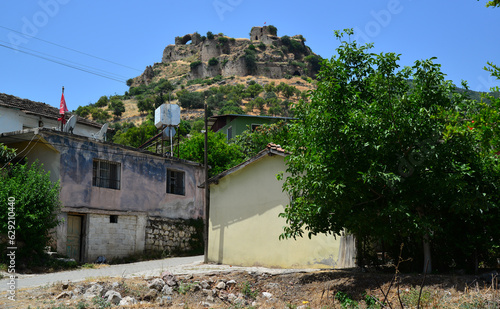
x=62 y=116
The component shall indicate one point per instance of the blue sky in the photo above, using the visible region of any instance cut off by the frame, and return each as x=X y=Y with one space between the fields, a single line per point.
x=462 y=34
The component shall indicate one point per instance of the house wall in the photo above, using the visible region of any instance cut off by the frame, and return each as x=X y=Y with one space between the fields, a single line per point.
x=10 y=120
x=142 y=190
x=242 y=123
x=143 y=180
x=111 y=240
x=244 y=225
x=15 y=120
x=39 y=150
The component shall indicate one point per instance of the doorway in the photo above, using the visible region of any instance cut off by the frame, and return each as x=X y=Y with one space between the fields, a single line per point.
x=74 y=237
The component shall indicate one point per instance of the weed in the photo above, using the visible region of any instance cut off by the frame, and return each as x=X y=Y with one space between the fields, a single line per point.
x=345 y=300
x=410 y=297
x=100 y=302
x=247 y=291
x=88 y=265
x=183 y=288
x=81 y=305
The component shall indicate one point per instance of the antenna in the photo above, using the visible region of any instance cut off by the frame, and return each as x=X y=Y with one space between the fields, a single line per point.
x=102 y=133
x=70 y=125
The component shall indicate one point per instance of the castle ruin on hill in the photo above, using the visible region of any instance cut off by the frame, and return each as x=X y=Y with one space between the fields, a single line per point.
x=263 y=54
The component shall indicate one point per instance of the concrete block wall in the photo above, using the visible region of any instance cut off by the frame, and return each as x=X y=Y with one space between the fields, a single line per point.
x=120 y=239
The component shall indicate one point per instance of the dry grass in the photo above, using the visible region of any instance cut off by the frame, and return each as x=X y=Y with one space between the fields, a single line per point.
x=297 y=290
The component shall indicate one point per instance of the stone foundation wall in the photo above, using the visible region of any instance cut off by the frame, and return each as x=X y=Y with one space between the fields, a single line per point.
x=174 y=235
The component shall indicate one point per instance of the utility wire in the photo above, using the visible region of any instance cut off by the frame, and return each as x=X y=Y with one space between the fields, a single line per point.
x=74 y=50
x=65 y=64
x=69 y=61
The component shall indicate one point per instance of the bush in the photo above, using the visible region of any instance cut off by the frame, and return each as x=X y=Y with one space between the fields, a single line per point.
x=129 y=82
x=191 y=99
x=195 y=64
x=251 y=47
x=250 y=60
x=213 y=61
x=102 y=102
x=314 y=61
x=262 y=46
x=223 y=40
x=35 y=200
x=210 y=35
x=272 y=30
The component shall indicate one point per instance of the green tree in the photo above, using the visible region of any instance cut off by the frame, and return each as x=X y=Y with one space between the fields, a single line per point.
x=99 y=115
x=135 y=136
x=254 y=90
x=6 y=154
x=145 y=105
x=191 y=100
x=221 y=155
x=272 y=30
x=35 y=201
x=117 y=107
x=102 y=102
x=83 y=111
x=252 y=143
x=369 y=155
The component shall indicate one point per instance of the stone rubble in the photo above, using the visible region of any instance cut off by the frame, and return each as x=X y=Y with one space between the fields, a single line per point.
x=162 y=290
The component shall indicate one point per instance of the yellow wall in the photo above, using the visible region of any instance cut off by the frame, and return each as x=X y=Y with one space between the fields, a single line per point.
x=244 y=224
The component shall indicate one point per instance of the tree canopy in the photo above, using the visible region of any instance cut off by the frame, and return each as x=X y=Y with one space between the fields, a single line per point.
x=385 y=153
x=32 y=200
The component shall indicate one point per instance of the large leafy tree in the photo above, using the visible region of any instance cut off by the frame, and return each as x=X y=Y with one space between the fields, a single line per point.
x=221 y=154
x=370 y=155
x=34 y=204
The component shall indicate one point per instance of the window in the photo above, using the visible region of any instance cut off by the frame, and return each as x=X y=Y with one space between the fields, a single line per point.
x=255 y=126
x=113 y=219
x=229 y=133
x=106 y=174
x=175 y=182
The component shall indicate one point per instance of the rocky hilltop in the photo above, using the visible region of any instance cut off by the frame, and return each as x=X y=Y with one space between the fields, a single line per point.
x=263 y=54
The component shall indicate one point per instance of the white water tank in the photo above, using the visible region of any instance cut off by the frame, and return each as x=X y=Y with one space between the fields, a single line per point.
x=167 y=115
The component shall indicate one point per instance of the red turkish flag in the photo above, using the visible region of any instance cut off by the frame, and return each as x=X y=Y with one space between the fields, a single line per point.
x=63 y=107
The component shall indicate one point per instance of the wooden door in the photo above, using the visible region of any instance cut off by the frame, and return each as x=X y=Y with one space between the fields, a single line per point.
x=74 y=237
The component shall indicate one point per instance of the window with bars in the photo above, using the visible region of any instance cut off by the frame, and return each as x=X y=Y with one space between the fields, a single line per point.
x=175 y=182
x=106 y=174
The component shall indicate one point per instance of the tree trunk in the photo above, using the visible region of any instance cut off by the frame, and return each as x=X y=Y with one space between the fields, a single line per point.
x=427 y=255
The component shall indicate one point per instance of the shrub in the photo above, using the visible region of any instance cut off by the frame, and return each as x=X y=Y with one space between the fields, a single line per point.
x=223 y=40
x=314 y=61
x=129 y=82
x=251 y=47
x=250 y=60
x=210 y=35
x=262 y=46
x=117 y=107
x=102 y=102
x=35 y=199
x=272 y=30
x=213 y=61
x=195 y=64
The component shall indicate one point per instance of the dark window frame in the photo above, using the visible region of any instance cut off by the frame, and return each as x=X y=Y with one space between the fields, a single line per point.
x=176 y=182
x=106 y=174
